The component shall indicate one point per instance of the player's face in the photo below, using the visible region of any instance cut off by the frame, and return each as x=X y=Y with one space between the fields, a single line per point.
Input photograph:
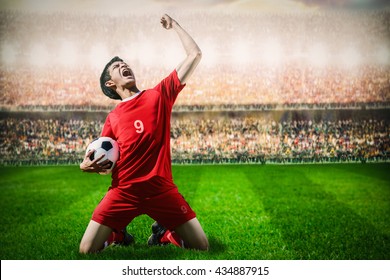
x=121 y=74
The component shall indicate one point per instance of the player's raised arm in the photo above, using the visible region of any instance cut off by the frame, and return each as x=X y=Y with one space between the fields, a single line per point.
x=194 y=54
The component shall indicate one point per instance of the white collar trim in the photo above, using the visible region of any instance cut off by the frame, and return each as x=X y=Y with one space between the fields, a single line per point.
x=131 y=97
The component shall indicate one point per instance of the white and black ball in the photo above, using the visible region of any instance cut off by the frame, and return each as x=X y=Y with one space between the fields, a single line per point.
x=104 y=146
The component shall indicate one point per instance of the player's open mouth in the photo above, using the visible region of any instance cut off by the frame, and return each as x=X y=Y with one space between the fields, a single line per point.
x=126 y=72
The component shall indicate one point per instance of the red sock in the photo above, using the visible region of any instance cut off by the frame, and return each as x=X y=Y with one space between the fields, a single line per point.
x=172 y=237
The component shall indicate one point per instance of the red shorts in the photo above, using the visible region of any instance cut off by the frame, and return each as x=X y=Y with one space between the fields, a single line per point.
x=162 y=202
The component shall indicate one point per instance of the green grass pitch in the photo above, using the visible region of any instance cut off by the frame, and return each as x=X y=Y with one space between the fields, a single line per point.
x=249 y=212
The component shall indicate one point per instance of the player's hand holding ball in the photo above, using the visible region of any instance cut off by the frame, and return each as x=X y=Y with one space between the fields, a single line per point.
x=101 y=156
x=94 y=166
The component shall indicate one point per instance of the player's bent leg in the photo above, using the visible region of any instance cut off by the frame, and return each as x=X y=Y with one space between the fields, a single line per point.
x=94 y=237
x=192 y=234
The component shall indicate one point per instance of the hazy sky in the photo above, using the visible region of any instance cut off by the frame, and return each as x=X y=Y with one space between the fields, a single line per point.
x=144 y=6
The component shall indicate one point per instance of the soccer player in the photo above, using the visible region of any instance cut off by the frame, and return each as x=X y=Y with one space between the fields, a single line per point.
x=142 y=178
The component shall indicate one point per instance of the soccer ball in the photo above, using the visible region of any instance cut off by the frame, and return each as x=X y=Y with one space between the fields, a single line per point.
x=104 y=146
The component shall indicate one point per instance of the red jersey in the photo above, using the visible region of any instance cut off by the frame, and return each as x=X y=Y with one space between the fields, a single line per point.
x=141 y=126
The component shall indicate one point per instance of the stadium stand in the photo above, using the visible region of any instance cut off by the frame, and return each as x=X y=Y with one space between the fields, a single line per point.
x=209 y=139
x=304 y=87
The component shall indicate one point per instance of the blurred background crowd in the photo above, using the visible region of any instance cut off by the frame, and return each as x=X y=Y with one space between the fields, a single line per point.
x=208 y=140
x=326 y=61
x=317 y=59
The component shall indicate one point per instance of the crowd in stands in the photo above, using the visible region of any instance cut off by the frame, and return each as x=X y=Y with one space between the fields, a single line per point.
x=45 y=141
x=290 y=87
x=257 y=140
x=251 y=62
x=224 y=78
x=208 y=140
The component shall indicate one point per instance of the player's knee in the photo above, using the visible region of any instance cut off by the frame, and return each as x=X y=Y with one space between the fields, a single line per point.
x=83 y=249
x=201 y=244
x=204 y=244
x=86 y=248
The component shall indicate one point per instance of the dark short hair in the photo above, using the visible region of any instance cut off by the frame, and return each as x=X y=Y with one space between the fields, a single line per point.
x=105 y=76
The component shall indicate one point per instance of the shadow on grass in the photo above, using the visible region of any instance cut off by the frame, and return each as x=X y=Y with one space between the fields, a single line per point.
x=314 y=225
x=376 y=171
x=216 y=247
x=169 y=252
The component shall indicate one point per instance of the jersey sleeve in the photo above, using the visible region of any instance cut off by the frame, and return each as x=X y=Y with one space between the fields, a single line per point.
x=170 y=86
x=107 y=128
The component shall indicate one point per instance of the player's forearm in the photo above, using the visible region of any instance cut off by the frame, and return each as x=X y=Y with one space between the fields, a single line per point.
x=194 y=54
x=190 y=46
